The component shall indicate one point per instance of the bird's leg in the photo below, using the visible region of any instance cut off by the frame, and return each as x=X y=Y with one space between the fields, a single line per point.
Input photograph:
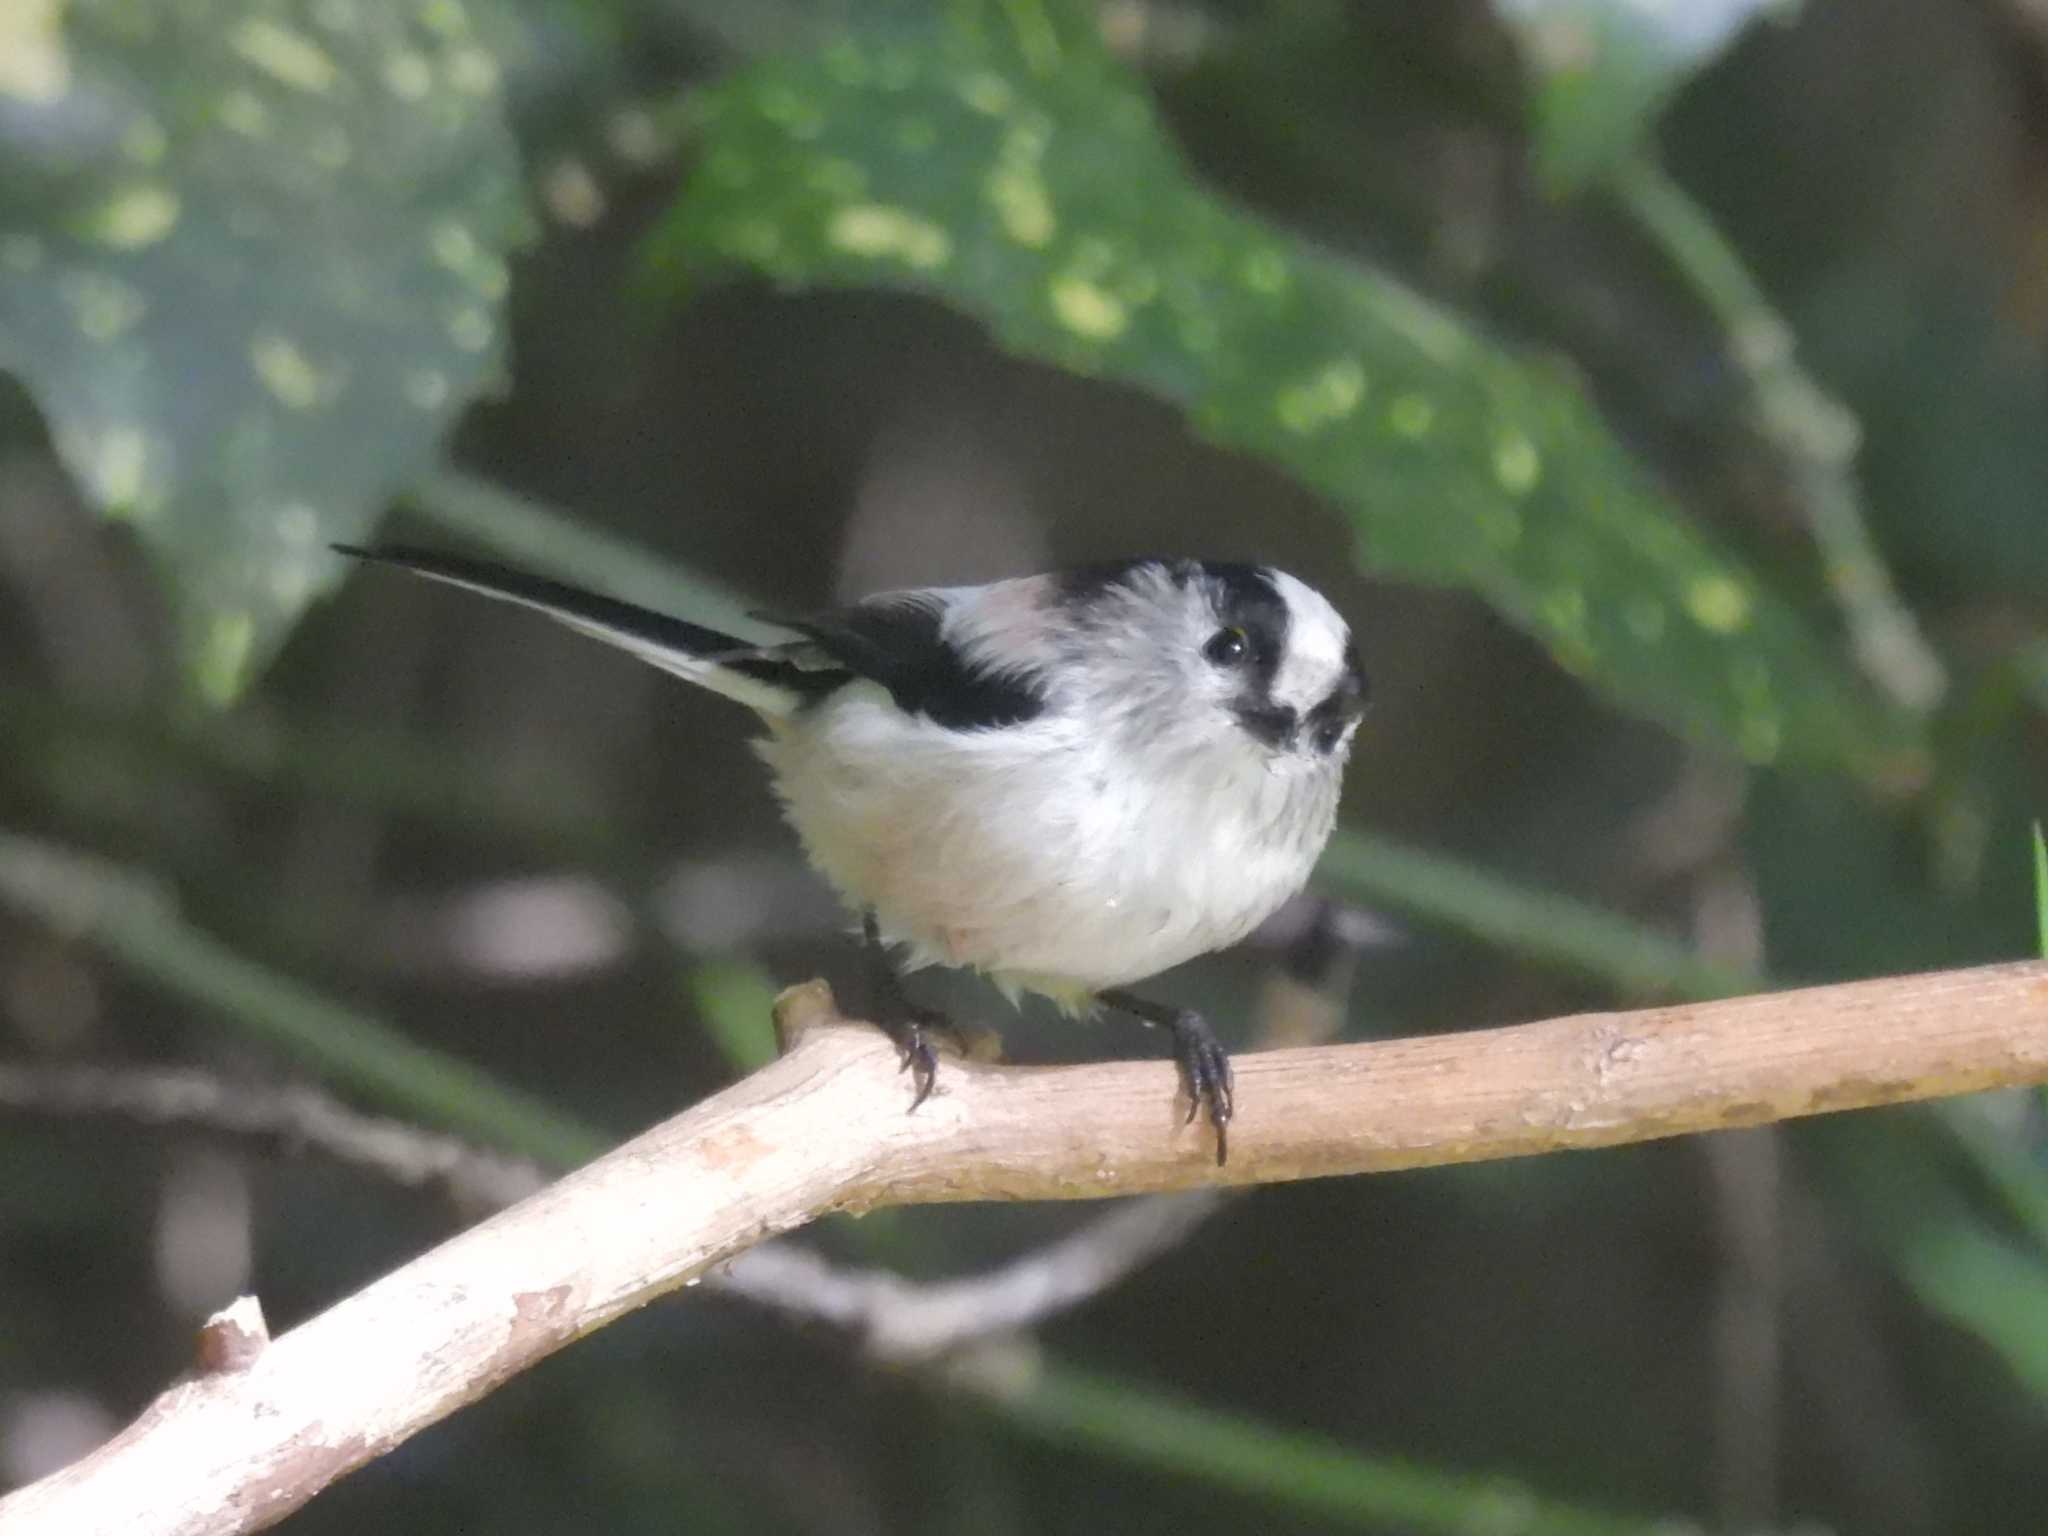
x=1204 y=1064
x=908 y=1024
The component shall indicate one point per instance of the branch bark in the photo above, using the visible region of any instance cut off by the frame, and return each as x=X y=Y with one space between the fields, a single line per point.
x=820 y=1130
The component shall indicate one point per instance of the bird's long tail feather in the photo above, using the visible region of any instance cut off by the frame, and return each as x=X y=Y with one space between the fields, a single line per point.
x=753 y=675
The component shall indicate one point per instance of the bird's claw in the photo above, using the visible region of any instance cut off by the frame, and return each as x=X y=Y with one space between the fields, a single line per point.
x=1206 y=1074
x=920 y=1058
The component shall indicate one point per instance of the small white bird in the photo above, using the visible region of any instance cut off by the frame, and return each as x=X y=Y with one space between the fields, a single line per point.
x=1068 y=782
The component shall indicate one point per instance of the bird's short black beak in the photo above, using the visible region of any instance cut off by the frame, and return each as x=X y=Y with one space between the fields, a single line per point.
x=1346 y=702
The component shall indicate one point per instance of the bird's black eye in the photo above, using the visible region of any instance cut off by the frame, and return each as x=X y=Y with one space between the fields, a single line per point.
x=1227 y=647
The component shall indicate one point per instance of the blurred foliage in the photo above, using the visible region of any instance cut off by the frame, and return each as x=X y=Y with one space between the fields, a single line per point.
x=241 y=241
x=999 y=157
x=1603 y=69
x=1711 y=354
x=2041 y=887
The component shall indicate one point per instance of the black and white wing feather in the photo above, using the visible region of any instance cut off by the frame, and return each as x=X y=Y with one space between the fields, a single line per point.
x=898 y=640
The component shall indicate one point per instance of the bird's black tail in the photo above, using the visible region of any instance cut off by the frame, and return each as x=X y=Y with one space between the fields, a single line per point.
x=756 y=676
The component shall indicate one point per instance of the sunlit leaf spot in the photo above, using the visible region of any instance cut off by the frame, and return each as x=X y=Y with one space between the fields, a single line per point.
x=444 y=18
x=103 y=307
x=33 y=64
x=223 y=655
x=987 y=92
x=1332 y=394
x=490 y=277
x=114 y=463
x=289 y=374
x=298 y=523
x=637 y=136
x=1759 y=737
x=470 y=329
x=1265 y=271
x=1516 y=464
x=880 y=230
x=137 y=215
x=1022 y=202
x=572 y=194
x=242 y=112
x=1411 y=416
x=426 y=388
x=1564 y=611
x=408 y=76
x=1718 y=603
x=454 y=247
x=1087 y=308
x=289 y=57
x=473 y=71
x=795 y=115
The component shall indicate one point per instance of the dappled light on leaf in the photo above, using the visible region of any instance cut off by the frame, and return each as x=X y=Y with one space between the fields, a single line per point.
x=252 y=261
x=1033 y=187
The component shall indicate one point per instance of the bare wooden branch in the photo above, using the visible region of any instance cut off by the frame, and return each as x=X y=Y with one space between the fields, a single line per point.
x=821 y=1129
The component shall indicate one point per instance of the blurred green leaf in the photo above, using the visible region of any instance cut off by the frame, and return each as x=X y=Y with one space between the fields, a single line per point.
x=1448 y=893
x=1077 y=1408
x=2041 y=888
x=1907 y=1200
x=134 y=920
x=1603 y=69
x=736 y=1002
x=252 y=263
x=1004 y=162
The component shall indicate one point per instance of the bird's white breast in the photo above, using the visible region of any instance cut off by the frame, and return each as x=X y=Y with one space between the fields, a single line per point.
x=1042 y=853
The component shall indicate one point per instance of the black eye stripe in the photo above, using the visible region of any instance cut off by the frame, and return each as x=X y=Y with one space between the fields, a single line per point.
x=1245 y=598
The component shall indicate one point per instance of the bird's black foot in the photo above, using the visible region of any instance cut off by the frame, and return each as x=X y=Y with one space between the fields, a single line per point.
x=908 y=1024
x=1204 y=1064
x=912 y=1030
x=1205 y=1074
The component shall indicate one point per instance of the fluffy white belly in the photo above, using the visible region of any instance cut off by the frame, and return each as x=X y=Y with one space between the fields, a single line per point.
x=1028 y=853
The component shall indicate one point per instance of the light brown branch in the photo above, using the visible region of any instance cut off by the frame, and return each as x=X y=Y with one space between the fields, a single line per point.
x=821 y=1130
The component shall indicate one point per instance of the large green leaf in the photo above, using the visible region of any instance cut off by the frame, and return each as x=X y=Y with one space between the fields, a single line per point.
x=1000 y=160
x=251 y=264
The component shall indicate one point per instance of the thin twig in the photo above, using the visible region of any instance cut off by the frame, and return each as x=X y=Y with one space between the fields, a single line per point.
x=288 y=1116
x=821 y=1130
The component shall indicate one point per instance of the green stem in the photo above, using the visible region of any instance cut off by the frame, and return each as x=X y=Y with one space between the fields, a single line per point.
x=538 y=535
x=1541 y=925
x=134 y=922
x=1815 y=435
x=1080 y=1410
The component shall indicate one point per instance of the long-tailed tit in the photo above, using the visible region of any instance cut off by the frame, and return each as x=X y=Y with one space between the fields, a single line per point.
x=1068 y=782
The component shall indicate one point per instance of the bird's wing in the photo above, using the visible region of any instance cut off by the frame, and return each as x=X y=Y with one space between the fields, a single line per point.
x=900 y=640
